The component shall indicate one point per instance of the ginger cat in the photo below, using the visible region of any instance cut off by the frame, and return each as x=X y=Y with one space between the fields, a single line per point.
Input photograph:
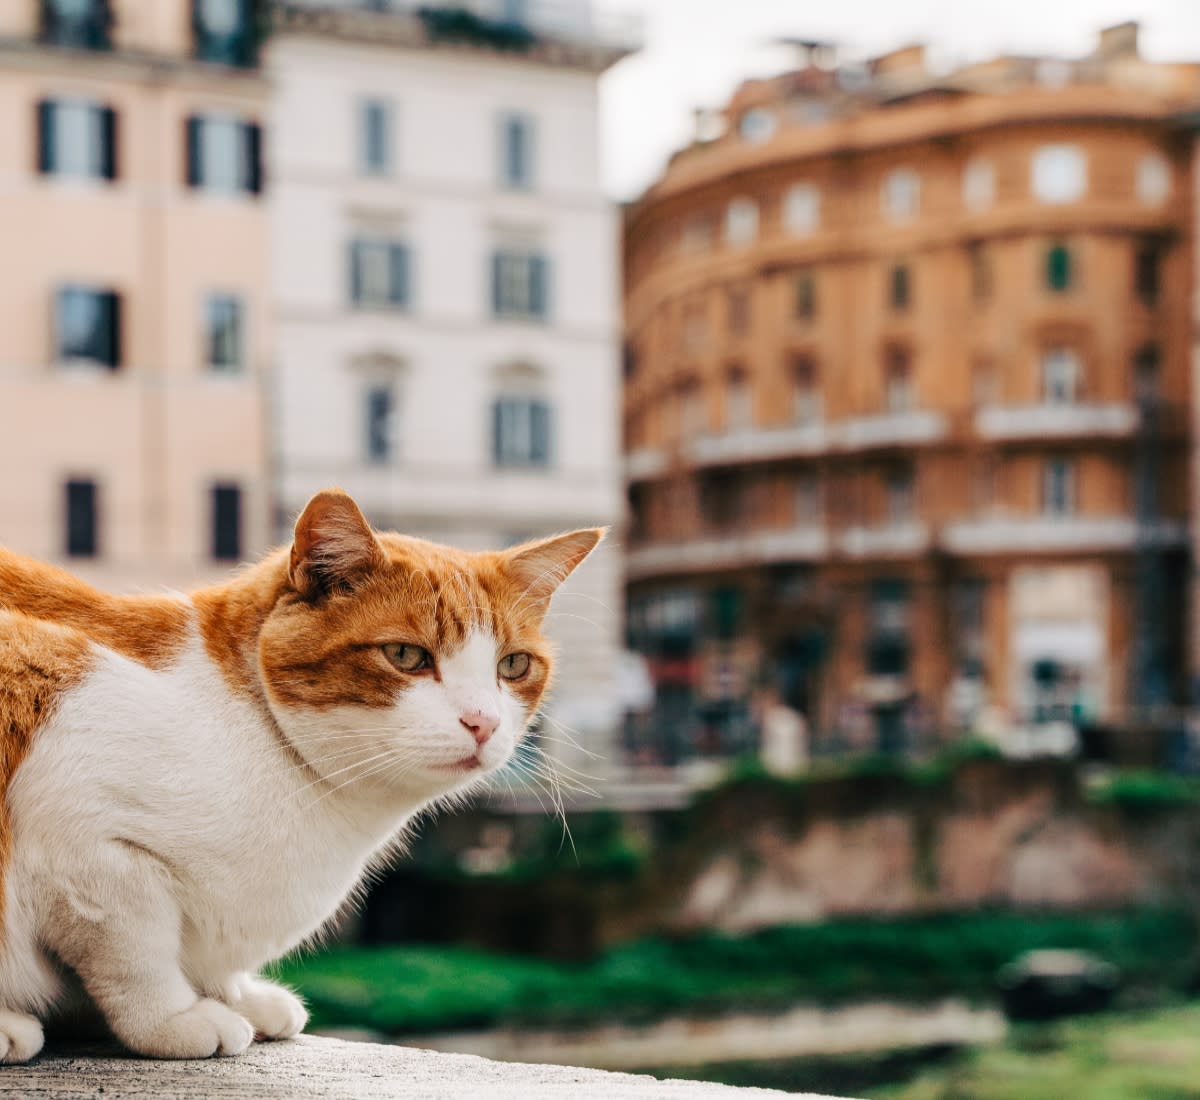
x=190 y=787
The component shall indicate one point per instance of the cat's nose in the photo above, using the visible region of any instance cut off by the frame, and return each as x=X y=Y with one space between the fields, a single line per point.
x=480 y=724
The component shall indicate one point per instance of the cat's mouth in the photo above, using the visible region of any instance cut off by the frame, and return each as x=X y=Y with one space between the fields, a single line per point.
x=466 y=764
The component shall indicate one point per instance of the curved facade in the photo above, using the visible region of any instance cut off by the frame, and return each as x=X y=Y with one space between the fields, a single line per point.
x=906 y=408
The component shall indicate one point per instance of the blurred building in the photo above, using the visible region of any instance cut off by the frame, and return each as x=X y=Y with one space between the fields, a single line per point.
x=134 y=317
x=907 y=400
x=446 y=285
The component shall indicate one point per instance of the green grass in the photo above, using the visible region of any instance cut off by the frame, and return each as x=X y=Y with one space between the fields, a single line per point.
x=1148 y=1056
x=407 y=989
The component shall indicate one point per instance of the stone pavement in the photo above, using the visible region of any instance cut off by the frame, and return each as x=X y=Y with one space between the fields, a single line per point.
x=311 y=1068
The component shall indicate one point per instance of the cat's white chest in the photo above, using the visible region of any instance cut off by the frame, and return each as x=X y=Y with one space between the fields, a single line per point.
x=176 y=768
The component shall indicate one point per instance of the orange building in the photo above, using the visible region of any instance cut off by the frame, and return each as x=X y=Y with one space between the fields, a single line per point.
x=907 y=391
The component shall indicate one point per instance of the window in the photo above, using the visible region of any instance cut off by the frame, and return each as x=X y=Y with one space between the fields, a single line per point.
x=694 y=332
x=520 y=284
x=802 y=209
x=806 y=396
x=521 y=432
x=380 y=434
x=224 y=154
x=1059 y=173
x=223 y=30
x=739 y=403
x=223 y=332
x=981 y=271
x=983 y=484
x=757 y=124
x=738 y=303
x=1058 y=487
x=81 y=519
x=805 y=296
x=1153 y=179
x=379 y=274
x=902 y=195
x=741 y=221
x=901 y=494
x=979 y=184
x=898 y=395
x=87 y=326
x=1060 y=376
x=899 y=287
x=1059 y=275
x=226 y=522
x=516 y=152
x=77 y=137
x=808 y=499
x=375 y=137
x=1146 y=374
x=693 y=412
x=890 y=623
x=1147 y=265
x=82 y=24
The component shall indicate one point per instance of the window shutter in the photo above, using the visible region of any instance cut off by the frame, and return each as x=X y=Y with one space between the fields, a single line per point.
x=399 y=289
x=356 y=287
x=111 y=322
x=252 y=135
x=108 y=143
x=498 y=261
x=539 y=452
x=45 y=137
x=539 y=286
x=498 y=433
x=195 y=166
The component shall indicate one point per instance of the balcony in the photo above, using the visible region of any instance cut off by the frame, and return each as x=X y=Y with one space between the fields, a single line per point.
x=729 y=552
x=759 y=445
x=890 y=540
x=77 y=26
x=645 y=463
x=1059 y=534
x=1058 y=421
x=912 y=428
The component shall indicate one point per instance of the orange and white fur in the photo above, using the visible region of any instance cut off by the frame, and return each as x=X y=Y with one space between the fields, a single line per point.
x=192 y=786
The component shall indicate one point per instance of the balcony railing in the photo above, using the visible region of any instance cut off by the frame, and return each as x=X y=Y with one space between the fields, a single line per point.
x=893 y=429
x=759 y=444
x=1062 y=421
x=645 y=463
x=890 y=540
x=1040 y=534
x=79 y=26
x=810 y=543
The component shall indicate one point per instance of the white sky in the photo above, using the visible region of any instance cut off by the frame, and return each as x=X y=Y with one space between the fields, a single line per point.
x=697 y=51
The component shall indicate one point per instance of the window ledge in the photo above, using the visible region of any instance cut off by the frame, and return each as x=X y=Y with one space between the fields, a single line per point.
x=309 y=1068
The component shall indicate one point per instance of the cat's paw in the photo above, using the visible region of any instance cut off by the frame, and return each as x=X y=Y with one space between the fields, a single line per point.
x=20 y=1037
x=205 y=1029
x=275 y=1012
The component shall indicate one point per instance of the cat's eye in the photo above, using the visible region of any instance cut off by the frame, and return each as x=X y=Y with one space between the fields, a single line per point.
x=514 y=666
x=407 y=657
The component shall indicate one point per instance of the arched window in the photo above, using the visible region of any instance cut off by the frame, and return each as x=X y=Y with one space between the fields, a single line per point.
x=1059 y=173
x=802 y=209
x=979 y=184
x=902 y=195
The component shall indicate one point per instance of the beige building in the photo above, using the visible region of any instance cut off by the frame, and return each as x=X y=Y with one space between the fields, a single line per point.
x=134 y=317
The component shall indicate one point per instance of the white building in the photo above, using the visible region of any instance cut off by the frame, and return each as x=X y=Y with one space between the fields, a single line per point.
x=446 y=281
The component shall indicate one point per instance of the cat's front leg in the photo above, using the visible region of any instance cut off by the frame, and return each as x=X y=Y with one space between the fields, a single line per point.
x=126 y=952
x=275 y=1012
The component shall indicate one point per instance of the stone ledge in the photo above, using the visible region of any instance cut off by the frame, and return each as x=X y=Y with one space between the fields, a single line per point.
x=311 y=1068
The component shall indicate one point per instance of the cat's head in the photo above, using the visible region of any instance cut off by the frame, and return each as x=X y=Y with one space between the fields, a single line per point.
x=398 y=664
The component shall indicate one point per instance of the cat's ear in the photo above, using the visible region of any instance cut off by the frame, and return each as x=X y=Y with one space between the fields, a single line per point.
x=334 y=547
x=540 y=567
